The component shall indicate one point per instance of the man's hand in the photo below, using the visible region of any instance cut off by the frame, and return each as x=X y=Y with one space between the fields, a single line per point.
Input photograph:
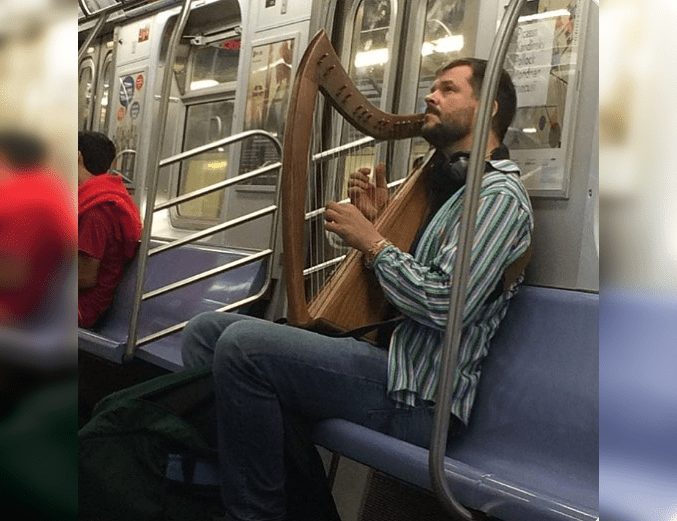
x=369 y=198
x=346 y=221
x=88 y=271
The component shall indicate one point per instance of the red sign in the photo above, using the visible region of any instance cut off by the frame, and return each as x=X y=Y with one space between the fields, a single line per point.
x=144 y=33
x=231 y=45
x=139 y=82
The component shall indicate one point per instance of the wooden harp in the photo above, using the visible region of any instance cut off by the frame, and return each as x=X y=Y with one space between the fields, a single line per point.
x=351 y=297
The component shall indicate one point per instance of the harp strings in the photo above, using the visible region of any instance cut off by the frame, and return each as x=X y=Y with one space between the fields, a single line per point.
x=330 y=169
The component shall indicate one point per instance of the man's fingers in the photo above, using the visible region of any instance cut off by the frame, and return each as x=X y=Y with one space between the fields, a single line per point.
x=380 y=176
x=359 y=179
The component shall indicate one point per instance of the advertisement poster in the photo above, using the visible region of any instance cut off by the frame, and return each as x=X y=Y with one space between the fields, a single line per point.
x=269 y=86
x=268 y=91
x=542 y=60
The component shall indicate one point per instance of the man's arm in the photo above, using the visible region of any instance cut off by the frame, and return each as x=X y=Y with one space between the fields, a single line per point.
x=421 y=291
x=88 y=271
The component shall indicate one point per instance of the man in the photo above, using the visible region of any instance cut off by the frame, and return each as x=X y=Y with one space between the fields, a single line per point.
x=265 y=371
x=37 y=228
x=109 y=227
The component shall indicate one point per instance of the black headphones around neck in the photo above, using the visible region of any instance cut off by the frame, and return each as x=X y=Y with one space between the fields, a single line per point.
x=456 y=167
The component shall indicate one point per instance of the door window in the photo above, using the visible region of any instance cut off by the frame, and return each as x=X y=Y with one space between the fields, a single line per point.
x=205 y=122
x=85 y=87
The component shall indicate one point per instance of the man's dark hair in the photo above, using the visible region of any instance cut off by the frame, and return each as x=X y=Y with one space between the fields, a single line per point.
x=97 y=151
x=505 y=95
x=21 y=150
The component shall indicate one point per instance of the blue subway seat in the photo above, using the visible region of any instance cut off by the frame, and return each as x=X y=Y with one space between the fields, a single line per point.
x=531 y=451
x=638 y=406
x=108 y=339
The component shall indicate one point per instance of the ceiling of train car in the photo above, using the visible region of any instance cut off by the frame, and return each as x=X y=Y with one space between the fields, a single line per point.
x=95 y=5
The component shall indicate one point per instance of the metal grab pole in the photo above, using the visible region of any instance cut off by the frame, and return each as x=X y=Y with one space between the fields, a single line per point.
x=152 y=180
x=92 y=34
x=452 y=336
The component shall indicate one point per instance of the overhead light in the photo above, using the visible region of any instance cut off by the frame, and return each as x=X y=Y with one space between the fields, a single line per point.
x=373 y=57
x=217 y=165
x=529 y=130
x=203 y=84
x=447 y=44
x=543 y=15
x=280 y=61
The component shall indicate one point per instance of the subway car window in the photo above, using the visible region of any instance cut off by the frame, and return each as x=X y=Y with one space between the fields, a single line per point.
x=85 y=86
x=205 y=122
x=104 y=94
x=212 y=66
x=445 y=38
x=367 y=66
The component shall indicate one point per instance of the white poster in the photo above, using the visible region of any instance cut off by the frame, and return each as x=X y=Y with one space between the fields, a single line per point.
x=532 y=61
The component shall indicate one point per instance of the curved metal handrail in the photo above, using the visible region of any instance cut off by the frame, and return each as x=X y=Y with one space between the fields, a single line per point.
x=129 y=151
x=452 y=337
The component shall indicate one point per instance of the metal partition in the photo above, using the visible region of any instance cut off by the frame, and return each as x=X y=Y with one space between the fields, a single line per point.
x=145 y=252
x=452 y=337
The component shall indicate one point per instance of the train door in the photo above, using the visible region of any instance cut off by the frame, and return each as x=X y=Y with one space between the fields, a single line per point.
x=208 y=97
x=101 y=109
x=201 y=108
x=87 y=72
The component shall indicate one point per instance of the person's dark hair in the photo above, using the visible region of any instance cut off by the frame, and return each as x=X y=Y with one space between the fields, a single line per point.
x=21 y=150
x=97 y=150
x=505 y=95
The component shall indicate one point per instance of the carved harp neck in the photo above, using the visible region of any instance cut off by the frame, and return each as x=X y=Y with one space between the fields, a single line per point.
x=321 y=70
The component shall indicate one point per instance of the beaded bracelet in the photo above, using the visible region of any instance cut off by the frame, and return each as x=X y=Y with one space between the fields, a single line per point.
x=375 y=249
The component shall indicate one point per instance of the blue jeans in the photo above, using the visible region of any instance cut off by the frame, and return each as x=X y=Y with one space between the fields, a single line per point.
x=262 y=369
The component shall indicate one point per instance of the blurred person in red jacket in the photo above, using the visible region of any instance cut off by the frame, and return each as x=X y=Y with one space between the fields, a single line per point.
x=109 y=227
x=37 y=228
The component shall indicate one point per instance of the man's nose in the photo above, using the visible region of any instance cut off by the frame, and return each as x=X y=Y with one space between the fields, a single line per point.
x=430 y=99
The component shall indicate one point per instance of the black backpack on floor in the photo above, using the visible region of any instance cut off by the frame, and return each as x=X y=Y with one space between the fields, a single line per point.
x=134 y=434
x=149 y=454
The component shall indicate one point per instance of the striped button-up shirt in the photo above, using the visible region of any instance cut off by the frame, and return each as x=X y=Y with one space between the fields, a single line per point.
x=419 y=286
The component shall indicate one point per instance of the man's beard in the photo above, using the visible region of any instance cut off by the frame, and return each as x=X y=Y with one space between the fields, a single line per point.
x=445 y=133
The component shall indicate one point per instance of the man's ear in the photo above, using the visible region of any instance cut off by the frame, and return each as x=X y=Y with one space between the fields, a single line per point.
x=494 y=109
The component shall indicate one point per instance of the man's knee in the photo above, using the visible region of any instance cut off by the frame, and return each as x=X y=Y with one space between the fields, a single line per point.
x=195 y=348
x=235 y=347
